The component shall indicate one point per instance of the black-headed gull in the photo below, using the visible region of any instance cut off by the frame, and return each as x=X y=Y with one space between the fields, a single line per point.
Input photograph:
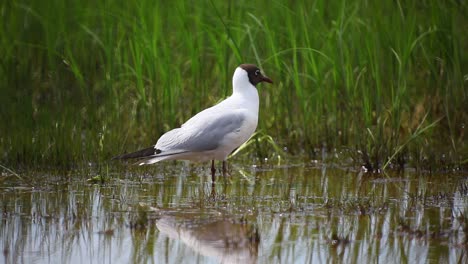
x=215 y=132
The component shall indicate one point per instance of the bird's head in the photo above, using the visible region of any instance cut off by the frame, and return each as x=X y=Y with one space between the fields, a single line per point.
x=254 y=74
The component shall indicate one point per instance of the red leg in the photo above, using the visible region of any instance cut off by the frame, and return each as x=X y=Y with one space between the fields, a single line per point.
x=213 y=171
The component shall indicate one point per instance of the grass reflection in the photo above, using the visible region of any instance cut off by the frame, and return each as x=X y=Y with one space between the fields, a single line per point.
x=264 y=215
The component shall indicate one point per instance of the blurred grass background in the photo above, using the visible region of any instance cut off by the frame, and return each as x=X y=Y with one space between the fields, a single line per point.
x=384 y=80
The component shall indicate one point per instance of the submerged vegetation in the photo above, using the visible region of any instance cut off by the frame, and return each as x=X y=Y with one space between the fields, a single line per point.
x=385 y=81
x=284 y=214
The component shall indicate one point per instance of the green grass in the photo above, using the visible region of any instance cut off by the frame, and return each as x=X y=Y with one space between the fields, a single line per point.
x=86 y=80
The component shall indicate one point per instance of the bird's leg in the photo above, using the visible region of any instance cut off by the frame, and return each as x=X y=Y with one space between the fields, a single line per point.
x=213 y=171
x=213 y=190
x=224 y=168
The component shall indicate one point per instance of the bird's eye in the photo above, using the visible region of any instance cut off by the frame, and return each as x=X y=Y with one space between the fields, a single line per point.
x=257 y=72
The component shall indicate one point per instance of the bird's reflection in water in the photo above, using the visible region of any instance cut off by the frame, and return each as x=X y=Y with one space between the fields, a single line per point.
x=222 y=239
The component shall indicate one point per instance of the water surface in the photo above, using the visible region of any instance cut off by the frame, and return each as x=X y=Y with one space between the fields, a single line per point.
x=172 y=213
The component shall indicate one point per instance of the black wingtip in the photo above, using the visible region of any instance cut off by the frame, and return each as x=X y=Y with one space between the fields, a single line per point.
x=151 y=151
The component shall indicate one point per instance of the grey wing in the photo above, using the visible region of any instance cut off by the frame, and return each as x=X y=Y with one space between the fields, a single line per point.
x=203 y=134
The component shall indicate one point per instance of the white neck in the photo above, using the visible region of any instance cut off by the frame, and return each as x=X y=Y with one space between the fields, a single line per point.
x=241 y=83
x=244 y=91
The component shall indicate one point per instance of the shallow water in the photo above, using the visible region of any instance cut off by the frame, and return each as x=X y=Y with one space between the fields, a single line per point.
x=272 y=214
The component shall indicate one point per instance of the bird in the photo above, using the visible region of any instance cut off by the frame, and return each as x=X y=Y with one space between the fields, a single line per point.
x=215 y=132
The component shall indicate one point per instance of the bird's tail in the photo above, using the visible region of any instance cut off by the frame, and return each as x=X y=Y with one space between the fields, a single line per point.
x=150 y=155
x=143 y=153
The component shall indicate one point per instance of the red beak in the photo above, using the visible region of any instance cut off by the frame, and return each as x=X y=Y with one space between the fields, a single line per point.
x=266 y=79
